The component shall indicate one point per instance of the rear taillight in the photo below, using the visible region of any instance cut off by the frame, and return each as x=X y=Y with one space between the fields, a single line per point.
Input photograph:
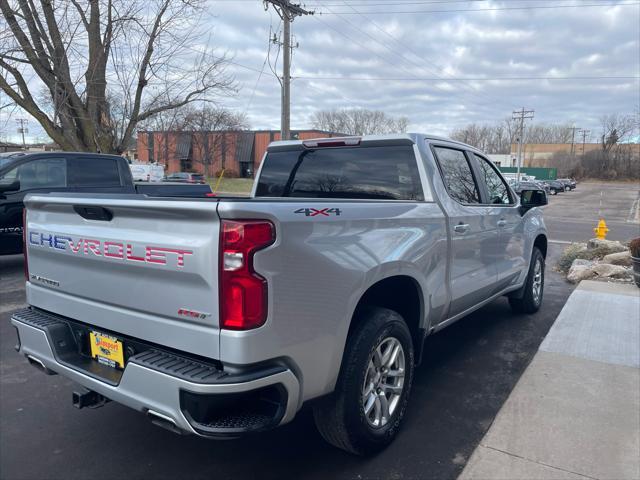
x=24 y=244
x=243 y=293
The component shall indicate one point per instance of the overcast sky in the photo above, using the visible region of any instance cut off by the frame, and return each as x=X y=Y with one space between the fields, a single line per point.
x=439 y=69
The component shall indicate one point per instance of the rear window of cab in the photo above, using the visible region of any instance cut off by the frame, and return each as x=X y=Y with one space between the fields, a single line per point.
x=385 y=173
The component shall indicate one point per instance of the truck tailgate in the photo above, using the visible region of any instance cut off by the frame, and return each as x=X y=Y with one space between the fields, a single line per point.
x=141 y=267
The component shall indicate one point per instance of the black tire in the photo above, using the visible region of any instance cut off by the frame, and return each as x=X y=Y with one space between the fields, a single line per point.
x=566 y=189
x=554 y=191
x=340 y=417
x=528 y=301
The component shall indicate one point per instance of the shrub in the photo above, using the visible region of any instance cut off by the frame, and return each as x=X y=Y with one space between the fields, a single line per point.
x=579 y=250
x=569 y=255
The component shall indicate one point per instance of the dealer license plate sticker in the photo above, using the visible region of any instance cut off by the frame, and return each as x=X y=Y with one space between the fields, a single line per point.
x=107 y=349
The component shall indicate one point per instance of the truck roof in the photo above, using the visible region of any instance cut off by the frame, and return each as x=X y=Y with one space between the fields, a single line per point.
x=28 y=154
x=393 y=138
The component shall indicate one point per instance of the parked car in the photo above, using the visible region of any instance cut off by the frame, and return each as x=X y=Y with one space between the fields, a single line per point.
x=185 y=177
x=568 y=183
x=43 y=172
x=22 y=173
x=555 y=186
x=223 y=316
x=518 y=187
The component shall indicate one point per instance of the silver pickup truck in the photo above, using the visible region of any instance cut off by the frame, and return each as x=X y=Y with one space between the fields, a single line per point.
x=222 y=316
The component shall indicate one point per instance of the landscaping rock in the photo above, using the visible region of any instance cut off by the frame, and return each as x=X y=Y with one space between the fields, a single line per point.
x=581 y=271
x=606 y=246
x=580 y=262
x=606 y=270
x=621 y=258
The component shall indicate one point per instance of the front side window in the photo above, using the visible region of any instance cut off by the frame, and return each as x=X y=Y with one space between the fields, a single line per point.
x=43 y=173
x=385 y=173
x=457 y=175
x=497 y=189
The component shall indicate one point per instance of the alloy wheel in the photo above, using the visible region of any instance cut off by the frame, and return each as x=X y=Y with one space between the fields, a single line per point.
x=384 y=382
x=537 y=281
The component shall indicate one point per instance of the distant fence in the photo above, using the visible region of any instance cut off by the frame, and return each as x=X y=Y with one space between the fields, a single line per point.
x=539 y=173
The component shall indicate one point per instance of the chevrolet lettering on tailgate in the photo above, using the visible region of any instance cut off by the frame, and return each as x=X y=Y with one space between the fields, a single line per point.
x=115 y=250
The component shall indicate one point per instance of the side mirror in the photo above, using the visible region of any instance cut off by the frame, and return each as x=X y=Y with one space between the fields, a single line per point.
x=10 y=187
x=532 y=198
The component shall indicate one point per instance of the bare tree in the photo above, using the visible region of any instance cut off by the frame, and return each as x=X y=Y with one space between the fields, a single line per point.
x=198 y=119
x=358 y=122
x=618 y=155
x=204 y=126
x=105 y=65
x=548 y=133
x=491 y=138
x=617 y=128
x=498 y=138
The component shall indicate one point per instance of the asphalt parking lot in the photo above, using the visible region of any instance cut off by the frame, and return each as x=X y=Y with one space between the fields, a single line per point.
x=572 y=216
x=468 y=371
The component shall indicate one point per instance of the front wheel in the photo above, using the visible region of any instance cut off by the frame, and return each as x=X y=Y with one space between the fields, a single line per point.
x=531 y=298
x=365 y=412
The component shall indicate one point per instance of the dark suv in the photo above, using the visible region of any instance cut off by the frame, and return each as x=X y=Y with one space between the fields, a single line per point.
x=22 y=173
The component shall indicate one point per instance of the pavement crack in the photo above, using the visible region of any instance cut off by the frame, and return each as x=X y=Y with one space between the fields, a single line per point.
x=539 y=463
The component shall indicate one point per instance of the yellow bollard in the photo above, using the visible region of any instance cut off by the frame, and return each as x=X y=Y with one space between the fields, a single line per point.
x=215 y=189
x=601 y=230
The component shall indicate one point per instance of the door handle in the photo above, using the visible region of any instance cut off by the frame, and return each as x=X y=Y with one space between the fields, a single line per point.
x=502 y=222
x=461 y=228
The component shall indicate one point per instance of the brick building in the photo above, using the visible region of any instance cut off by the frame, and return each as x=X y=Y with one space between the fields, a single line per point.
x=239 y=153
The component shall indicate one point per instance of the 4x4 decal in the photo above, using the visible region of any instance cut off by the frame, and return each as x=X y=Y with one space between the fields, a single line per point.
x=313 y=212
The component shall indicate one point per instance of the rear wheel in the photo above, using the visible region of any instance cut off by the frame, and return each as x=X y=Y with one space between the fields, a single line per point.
x=365 y=412
x=531 y=298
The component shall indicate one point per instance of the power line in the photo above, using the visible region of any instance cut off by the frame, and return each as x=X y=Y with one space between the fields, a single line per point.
x=462 y=79
x=490 y=9
x=436 y=2
x=266 y=59
x=422 y=59
x=378 y=55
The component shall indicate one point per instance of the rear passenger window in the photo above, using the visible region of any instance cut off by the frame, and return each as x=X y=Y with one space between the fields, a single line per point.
x=497 y=189
x=387 y=173
x=457 y=175
x=93 y=172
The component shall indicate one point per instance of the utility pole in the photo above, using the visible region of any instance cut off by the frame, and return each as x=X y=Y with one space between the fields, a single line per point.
x=22 y=130
x=573 y=140
x=287 y=12
x=521 y=115
x=584 y=134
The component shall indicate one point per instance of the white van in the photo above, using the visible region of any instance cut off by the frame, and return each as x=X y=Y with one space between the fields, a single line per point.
x=147 y=172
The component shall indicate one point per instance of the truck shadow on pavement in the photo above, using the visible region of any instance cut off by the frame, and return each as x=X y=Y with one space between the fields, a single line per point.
x=467 y=373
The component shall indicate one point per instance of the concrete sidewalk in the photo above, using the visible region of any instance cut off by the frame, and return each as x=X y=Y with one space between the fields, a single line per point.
x=575 y=412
